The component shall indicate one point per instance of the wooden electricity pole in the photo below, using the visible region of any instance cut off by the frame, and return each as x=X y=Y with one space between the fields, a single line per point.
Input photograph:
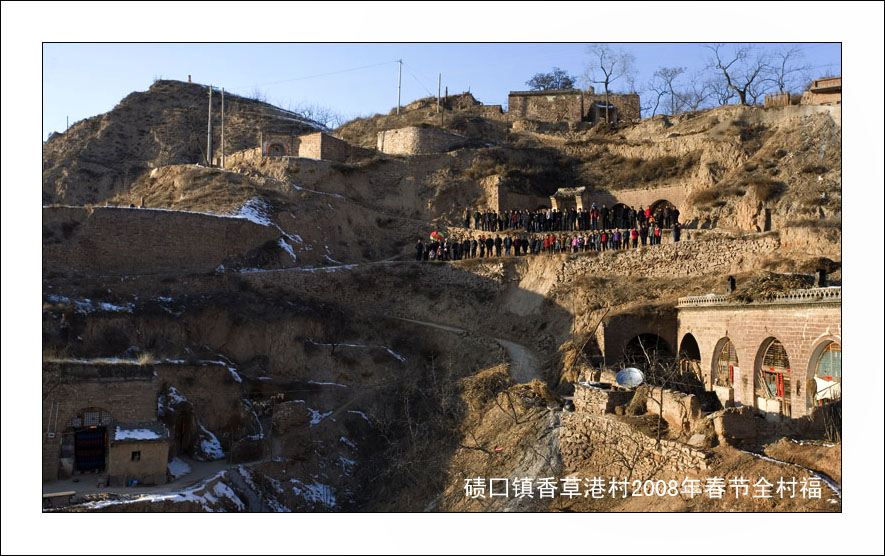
x=399 y=86
x=209 y=133
x=222 y=127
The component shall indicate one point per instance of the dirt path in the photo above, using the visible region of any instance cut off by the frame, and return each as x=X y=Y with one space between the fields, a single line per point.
x=524 y=364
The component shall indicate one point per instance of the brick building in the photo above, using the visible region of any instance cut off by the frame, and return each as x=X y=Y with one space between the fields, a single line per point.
x=572 y=105
x=824 y=92
x=782 y=356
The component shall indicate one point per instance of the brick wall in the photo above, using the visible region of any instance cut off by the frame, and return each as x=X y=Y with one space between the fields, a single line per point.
x=801 y=328
x=417 y=140
x=119 y=241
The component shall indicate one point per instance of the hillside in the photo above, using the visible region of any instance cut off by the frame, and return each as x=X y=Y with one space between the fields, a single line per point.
x=101 y=156
x=287 y=308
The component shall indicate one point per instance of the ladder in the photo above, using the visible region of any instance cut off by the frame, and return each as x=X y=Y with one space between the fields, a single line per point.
x=52 y=424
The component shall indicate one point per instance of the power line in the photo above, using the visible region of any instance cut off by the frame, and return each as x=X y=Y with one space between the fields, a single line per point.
x=315 y=76
x=415 y=77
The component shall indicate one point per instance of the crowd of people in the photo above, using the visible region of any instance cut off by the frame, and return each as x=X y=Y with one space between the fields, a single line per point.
x=572 y=219
x=484 y=246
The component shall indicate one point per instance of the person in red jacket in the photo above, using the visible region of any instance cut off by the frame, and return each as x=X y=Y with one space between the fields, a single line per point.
x=634 y=235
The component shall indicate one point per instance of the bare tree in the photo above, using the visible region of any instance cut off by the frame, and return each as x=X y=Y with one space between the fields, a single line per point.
x=608 y=65
x=322 y=115
x=787 y=70
x=663 y=84
x=740 y=70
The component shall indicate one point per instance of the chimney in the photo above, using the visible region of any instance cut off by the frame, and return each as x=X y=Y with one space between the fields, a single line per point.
x=188 y=78
x=820 y=279
x=729 y=284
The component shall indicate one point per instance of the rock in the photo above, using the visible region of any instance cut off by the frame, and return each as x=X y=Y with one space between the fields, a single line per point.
x=698 y=440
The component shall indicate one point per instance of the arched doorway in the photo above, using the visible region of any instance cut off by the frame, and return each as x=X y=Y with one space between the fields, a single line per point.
x=725 y=363
x=651 y=354
x=664 y=212
x=622 y=216
x=84 y=442
x=276 y=149
x=772 y=378
x=690 y=360
x=825 y=375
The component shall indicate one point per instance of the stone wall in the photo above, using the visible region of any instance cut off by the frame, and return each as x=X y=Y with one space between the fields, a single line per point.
x=721 y=256
x=801 y=327
x=598 y=401
x=614 y=445
x=626 y=104
x=121 y=241
x=567 y=105
x=417 y=140
x=549 y=106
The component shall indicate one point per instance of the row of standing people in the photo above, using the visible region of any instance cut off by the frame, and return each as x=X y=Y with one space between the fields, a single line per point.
x=486 y=246
x=571 y=220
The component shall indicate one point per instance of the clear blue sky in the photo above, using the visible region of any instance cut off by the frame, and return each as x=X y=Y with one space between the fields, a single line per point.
x=83 y=80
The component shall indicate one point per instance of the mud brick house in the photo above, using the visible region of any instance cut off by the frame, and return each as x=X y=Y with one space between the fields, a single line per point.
x=138 y=452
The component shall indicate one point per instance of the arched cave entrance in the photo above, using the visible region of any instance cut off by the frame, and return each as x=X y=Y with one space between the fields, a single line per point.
x=652 y=355
x=666 y=218
x=725 y=363
x=825 y=375
x=690 y=360
x=84 y=442
x=772 y=378
x=622 y=216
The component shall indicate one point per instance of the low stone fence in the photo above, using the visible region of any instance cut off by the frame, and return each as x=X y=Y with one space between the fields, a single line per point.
x=622 y=449
x=599 y=401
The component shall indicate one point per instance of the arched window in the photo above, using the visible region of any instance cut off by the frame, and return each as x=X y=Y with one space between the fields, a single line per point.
x=772 y=386
x=725 y=365
x=827 y=374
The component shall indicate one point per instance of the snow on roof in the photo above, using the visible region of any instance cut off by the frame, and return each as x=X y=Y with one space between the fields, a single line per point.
x=140 y=431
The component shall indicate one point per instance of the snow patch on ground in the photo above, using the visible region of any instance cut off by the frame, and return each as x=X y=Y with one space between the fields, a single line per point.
x=834 y=486
x=316 y=492
x=361 y=414
x=347 y=442
x=287 y=248
x=316 y=417
x=178 y=467
x=86 y=306
x=219 y=491
x=210 y=445
x=176 y=397
x=326 y=383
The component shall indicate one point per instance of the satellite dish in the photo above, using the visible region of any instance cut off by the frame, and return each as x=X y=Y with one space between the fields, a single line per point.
x=629 y=377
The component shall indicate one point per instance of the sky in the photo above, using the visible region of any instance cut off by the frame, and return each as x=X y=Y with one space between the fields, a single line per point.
x=81 y=80
x=45 y=82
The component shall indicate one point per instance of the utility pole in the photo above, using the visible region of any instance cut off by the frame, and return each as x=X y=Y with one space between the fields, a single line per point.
x=209 y=133
x=222 y=127
x=67 y=122
x=399 y=86
x=442 y=115
x=438 y=91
